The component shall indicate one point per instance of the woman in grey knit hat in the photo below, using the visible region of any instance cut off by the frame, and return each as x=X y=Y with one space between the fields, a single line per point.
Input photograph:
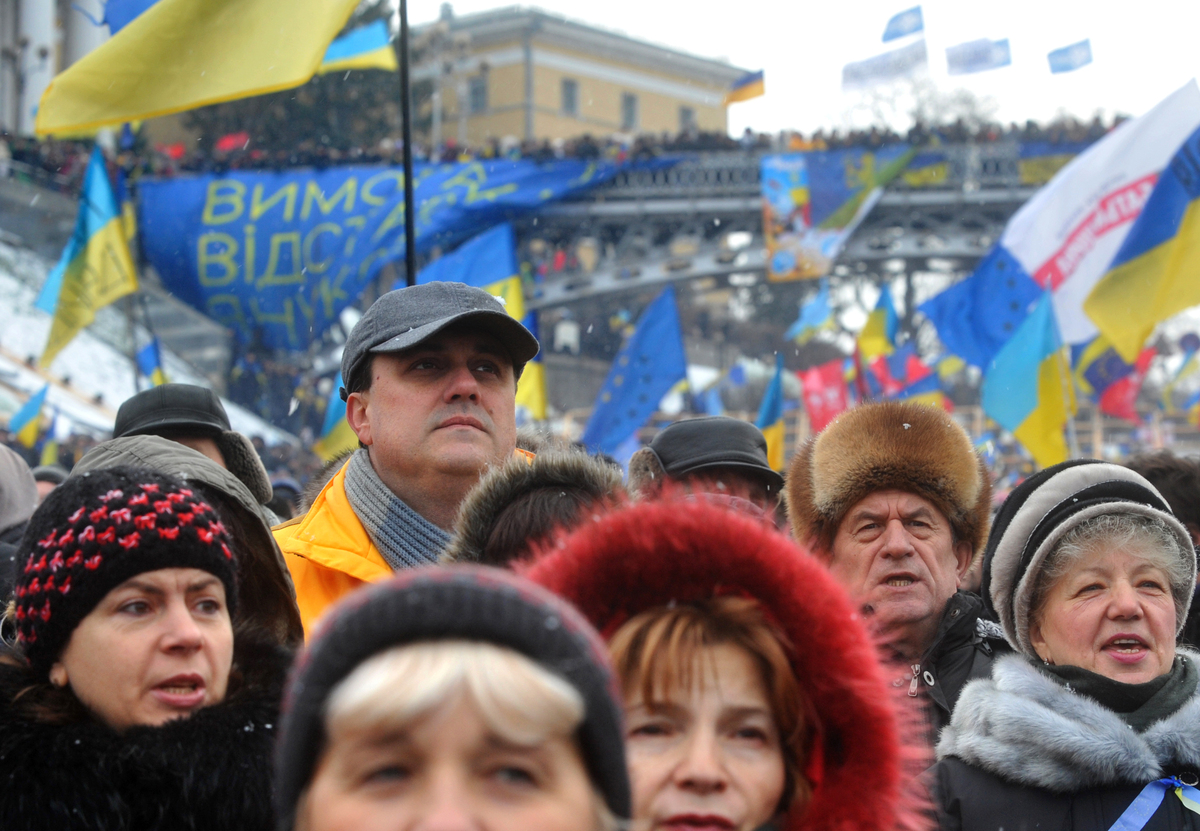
x=1095 y=724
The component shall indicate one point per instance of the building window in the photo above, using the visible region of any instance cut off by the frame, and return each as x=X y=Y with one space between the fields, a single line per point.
x=570 y=96
x=687 y=119
x=478 y=94
x=629 y=111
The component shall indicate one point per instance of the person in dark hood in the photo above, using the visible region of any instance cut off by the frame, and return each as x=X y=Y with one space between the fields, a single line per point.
x=263 y=580
x=520 y=503
x=754 y=696
x=1095 y=723
x=18 y=499
x=894 y=499
x=130 y=698
x=453 y=697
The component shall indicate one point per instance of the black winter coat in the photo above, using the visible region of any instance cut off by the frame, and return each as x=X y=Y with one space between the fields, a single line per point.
x=963 y=650
x=210 y=771
x=1023 y=753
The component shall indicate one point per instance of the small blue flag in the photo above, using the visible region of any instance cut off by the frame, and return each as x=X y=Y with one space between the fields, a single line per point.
x=118 y=13
x=1070 y=58
x=652 y=361
x=815 y=314
x=905 y=23
x=978 y=56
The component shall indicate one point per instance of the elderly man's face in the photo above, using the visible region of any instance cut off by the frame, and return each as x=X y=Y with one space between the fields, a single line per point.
x=895 y=553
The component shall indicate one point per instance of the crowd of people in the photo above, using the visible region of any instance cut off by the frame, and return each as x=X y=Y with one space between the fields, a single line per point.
x=461 y=628
x=64 y=161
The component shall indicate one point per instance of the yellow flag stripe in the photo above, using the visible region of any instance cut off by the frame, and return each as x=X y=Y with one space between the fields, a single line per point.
x=1042 y=430
x=95 y=278
x=382 y=58
x=1133 y=298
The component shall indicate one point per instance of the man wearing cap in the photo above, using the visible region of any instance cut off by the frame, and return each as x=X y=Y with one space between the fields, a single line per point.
x=716 y=454
x=430 y=376
x=894 y=498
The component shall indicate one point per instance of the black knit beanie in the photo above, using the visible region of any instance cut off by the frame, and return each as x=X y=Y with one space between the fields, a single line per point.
x=96 y=531
x=453 y=602
x=1040 y=511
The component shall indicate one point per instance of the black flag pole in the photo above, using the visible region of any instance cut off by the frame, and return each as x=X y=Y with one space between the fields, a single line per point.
x=410 y=245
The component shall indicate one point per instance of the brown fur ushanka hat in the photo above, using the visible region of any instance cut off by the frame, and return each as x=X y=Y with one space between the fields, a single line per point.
x=888 y=445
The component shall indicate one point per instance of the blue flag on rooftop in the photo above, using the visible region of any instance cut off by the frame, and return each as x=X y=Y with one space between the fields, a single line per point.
x=1070 y=58
x=978 y=56
x=906 y=22
x=652 y=361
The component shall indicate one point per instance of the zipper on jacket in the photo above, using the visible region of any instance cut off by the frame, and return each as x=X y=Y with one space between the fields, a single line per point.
x=916 y=680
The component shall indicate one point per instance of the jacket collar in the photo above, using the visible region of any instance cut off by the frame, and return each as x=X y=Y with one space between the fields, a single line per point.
x=331 y=535
x=1025 y=727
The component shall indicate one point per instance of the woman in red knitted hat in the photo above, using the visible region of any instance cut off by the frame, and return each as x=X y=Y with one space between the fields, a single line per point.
x=753 y=693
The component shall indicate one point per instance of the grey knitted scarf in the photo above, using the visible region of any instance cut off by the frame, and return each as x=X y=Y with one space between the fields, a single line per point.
x=404 y=537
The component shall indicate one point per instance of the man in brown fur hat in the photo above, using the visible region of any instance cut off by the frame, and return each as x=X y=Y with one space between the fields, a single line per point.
x=894 y=498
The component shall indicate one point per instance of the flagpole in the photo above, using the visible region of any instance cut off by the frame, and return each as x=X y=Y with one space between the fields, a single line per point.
x=1065 y=374
x=410 y=244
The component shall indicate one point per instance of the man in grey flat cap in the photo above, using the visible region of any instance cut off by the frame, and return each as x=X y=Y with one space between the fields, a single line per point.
x=430 y=376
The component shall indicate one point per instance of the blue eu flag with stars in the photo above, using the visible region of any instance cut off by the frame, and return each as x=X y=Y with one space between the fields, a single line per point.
x=651 y=362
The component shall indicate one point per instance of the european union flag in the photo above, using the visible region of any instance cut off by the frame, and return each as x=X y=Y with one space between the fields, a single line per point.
x=976 y=317
x=906 y=22
x=652 y=361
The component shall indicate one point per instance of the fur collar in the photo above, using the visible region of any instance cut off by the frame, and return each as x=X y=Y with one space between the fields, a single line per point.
x=213 y=770
x=1027 y=728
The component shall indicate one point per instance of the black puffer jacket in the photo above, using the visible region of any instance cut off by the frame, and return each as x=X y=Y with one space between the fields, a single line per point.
x=210 y=771
x=963 y=650
x=1023 y=753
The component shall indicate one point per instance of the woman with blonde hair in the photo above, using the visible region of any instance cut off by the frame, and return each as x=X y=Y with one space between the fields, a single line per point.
x=461 y=695
x=753 y=695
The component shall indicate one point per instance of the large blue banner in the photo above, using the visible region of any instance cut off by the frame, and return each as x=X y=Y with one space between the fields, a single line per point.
x=277 y=256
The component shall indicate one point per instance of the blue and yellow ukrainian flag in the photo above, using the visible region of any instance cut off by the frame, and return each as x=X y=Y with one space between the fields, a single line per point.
x=770 y=417
x=181 y=54
x=878 y=336
x=367 y=47
x=531 y=389
x=1028 y=389
x=95 y=268
x=149 y=362
x=26 y=422
x=1154 y=275
x=750 y=85
x=336 y=436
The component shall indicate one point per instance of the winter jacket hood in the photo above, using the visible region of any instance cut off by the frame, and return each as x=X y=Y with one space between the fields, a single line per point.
x=1025 y=727
x=266 y=589
x=653 y=553
x=18 y=490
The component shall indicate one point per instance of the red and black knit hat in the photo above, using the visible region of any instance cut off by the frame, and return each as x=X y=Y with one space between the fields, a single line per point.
x=95 y=532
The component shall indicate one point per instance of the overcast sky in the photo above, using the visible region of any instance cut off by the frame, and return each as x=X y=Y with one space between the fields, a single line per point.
x=1142 y=49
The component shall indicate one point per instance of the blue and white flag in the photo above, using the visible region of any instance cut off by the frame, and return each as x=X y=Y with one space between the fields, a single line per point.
x=906 y=22
x=898 y=63
x=1070 y=58
x=978 y=56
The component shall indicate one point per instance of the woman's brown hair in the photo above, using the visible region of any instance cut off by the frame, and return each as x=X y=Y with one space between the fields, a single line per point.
x=656 y=652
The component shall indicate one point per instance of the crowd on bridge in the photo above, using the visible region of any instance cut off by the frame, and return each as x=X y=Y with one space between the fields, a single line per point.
x=63 y=162
x=460 y=629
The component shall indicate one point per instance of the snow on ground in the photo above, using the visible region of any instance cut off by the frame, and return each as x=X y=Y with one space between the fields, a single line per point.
x=97 y=362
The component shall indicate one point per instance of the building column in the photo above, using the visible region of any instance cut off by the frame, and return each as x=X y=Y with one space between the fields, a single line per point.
x=37 y=60
x=80 y=35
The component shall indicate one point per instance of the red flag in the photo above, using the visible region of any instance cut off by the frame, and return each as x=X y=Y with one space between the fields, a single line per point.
x=1120 y=399
x=233 y=141
x=824 y=393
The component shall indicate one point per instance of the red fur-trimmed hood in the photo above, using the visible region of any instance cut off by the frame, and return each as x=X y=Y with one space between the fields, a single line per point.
x=651 y=553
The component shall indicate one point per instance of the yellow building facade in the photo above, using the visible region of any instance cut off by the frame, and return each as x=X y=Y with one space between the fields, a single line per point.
x=528 y=74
